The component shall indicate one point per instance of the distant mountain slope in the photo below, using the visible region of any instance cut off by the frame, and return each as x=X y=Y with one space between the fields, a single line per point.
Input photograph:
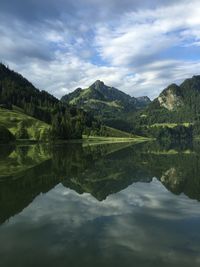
x=104 y=100
x=175 y=104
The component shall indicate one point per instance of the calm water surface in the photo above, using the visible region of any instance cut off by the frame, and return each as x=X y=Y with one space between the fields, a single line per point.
x=104 y=205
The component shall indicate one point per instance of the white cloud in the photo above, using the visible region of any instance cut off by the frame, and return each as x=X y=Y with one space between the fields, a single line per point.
x=140 y=52
x=144 y=221
x=139 y=34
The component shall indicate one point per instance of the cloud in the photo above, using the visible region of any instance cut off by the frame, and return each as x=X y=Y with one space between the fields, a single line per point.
x=140 y=37
x=67 y=72
x=142 y=223
x=89 y=10
x=137 y=46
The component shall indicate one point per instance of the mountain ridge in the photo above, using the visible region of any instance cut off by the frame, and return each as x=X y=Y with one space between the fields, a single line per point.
x=104 y=100
x=100 y=105
x=24 y=108
x=175 y=104
x=16 y=91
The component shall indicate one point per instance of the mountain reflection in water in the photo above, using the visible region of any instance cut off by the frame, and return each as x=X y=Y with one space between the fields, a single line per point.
x=89 y=188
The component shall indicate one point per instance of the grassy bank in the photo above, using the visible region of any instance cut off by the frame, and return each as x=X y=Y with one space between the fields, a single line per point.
x=102 y=139
x=11 y=118
x=170 y=125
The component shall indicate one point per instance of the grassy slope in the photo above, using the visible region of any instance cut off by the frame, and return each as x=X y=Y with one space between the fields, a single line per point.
x=115 y=136
x=113 y=104
x=112 y=132
x=95 y=140
x=10 y=119
x=83 y=94
x=89 y=100
x=170 y=125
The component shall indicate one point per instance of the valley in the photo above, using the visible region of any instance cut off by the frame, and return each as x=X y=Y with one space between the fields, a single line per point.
x=98 y=112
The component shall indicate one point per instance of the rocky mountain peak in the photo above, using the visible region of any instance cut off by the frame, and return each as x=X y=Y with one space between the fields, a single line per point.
x=144 y=99
x=171 y=97
x=98 y=85
x=105 y=99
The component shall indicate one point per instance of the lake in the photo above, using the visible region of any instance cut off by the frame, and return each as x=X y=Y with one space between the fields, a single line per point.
x=99 y=205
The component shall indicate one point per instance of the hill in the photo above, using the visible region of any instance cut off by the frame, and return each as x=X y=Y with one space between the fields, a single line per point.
x=39 y=130
x=104 y=101
x=10 y=119
x=175 y=104
x=16 y=91
x=29 y=113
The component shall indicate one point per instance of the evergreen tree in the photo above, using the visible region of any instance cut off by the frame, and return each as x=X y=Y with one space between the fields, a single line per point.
x=22 y=132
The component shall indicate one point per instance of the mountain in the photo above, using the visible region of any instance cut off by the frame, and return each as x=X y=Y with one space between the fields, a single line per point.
x=143 y=101
x=175 y=104
x=33 y=114
x=104 y=100
x=171 y=98
x=24 y=108
x=22 y=103
x=18 y=91
x=110 y=169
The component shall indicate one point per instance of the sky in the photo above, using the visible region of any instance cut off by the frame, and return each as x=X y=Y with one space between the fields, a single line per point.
x=139 y=47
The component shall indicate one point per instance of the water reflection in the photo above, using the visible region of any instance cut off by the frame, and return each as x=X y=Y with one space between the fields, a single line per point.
x=99 y=170
x=109 y=205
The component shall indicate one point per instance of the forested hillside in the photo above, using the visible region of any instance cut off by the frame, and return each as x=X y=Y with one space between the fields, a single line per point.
x=33 y=114
x=18 y=94
x=175 y=104
x=108 y=104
